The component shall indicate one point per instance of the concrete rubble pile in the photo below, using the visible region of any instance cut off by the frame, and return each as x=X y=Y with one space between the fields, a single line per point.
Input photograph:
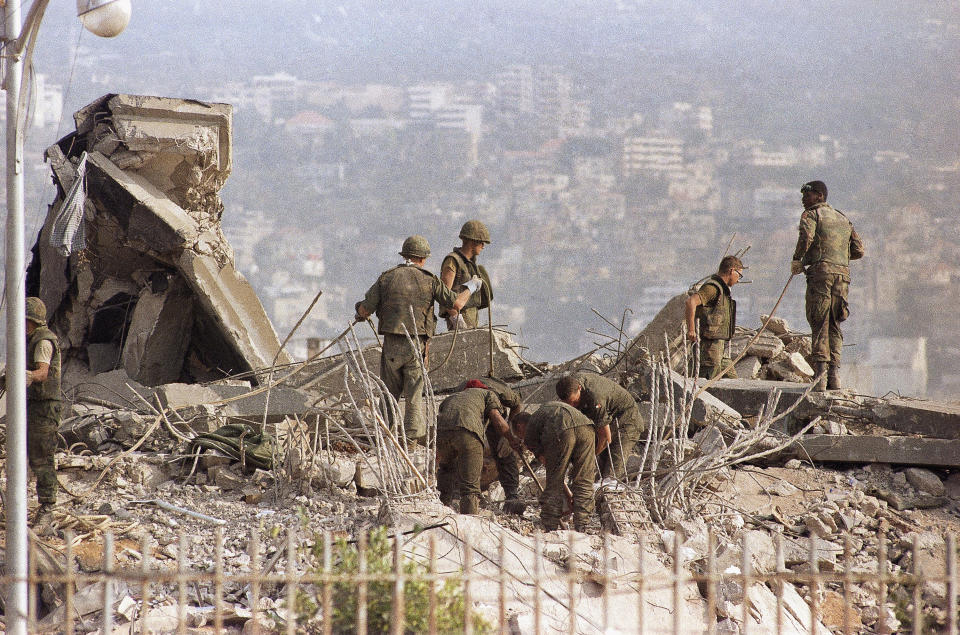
x=165 y=342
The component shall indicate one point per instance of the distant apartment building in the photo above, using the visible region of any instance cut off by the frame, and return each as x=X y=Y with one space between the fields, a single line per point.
x=683 y=117
x=515 y=89
x=47 y=103
x=775 y=202
x=656 y=155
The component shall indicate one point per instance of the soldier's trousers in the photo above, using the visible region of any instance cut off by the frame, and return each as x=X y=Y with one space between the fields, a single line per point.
x=400 y=371
x=826 y=304
x=459 y=464
x=625 y=431
x=508 y=466
x=714 y=358
x=576 y=448
x=43 y=420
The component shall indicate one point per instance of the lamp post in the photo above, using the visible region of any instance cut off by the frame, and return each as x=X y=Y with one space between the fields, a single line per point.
x=106 y=18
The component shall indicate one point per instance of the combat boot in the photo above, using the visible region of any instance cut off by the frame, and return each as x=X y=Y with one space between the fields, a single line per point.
x=833 y=377
x=819 y=376
x=515 y=506
x=469 y=504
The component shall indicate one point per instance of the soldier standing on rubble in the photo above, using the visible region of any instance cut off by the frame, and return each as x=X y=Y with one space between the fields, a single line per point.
x=561 y=436
x=402 y=298
x=826 y=245
x=43 y=405
x=716 y=312
x=461 y=436
x=606 y=402
x=461 y=265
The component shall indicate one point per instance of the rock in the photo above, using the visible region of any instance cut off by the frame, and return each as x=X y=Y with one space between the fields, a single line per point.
x=793 y=464
x=783 y=488
x=339 y=472
x=817 y=527
x=767 y=346
x=776 y=325
x=225 y=478
x=797 y=552
x=748 y=367
x=929 y=561
x=925 y=481
x=147 y=474
x=763 y=553
x=833 y=615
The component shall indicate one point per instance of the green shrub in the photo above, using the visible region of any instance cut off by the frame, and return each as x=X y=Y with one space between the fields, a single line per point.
x=416 y=591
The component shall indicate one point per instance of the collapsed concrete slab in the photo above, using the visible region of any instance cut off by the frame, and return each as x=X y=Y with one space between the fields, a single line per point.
x=154 y=291
x=452 y=361
x=870 y=449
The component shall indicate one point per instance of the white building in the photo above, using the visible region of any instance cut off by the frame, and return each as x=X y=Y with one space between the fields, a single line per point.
x=652 y=154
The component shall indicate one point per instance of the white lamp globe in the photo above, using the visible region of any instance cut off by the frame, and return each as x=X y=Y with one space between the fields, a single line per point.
x=106 y=18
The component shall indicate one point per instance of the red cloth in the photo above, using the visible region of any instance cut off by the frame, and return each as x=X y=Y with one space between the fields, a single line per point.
x=476 y=383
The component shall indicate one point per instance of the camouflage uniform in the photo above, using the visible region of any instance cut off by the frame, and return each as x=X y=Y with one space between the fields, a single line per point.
x=827 y=243
x=43 y=416
x=612 y=404
x=564 y=437
x=391 y=297
x=717 y=315
x=461 y=436
x=464 y=269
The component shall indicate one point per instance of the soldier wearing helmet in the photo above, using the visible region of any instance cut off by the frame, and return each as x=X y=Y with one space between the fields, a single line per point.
x=461 y=265
x=43 y=404
x=403 y=298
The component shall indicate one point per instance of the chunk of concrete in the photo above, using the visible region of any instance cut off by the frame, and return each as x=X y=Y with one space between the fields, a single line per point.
x=767 y=346
x=155 y=347
x=748 y=367
x=925 y=481
x=776 y=325
x=870 y=449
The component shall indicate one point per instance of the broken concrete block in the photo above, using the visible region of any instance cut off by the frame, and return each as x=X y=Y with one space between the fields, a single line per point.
x=225 y=478
x=155 y=347
x=925 y=481
x=776 y=325
x=869 y=449
x=748 y=367
x=766 y=346
x=103 y=357
x=470 y=357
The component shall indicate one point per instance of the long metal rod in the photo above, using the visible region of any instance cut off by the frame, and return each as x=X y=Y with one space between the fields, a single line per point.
x=16 y=501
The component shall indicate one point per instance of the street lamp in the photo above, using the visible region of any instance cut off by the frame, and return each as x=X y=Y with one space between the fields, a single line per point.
x=106 y=18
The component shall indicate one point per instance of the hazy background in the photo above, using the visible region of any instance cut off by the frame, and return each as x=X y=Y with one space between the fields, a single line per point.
x=861 y=94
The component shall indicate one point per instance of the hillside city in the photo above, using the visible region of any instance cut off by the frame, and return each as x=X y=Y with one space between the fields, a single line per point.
x=603 y=200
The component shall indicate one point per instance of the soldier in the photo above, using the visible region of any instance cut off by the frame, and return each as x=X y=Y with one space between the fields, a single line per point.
x=461 y=265
x=461 y=437
x=561 y=436
x=606 y=402
x=402 y=298
x=504 y=455
x=43 y=405
x=716 y=311
x=826 y=245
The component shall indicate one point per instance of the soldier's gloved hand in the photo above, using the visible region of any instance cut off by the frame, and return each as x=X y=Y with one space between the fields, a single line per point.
x=474 y=284
x=796 y=267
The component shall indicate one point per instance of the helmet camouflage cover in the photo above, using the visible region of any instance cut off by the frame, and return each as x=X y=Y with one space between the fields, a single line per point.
x=475 y=230
x=415 y=246
x=36 y=311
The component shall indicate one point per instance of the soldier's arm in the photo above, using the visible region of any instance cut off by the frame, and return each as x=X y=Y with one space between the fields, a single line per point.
x=856 y=245
x=39 y=375
x=368 y=306
x=808 y=229
x=690 y=312
x=447 y=299
x=603 y=437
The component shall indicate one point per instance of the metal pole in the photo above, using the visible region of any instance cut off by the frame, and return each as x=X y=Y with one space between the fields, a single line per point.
x=16 y=503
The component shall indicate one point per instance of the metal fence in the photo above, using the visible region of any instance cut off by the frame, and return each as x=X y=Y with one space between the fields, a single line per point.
x=310 y=586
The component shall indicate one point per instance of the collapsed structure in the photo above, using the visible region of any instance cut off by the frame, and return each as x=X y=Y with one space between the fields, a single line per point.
x=166 y=347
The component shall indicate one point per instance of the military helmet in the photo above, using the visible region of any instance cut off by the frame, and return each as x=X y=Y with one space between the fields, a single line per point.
x=36 y=311
x=475 y=230
x=415 y=246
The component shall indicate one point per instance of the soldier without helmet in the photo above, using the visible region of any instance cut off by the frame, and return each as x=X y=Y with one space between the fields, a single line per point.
x=826 y=244
x=403 y=298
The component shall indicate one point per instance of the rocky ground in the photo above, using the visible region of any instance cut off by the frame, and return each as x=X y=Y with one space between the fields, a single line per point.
x=797 y=500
